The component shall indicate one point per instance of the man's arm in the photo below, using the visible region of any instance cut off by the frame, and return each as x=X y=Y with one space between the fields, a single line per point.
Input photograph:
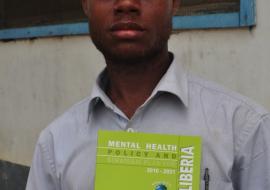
x=252 y=164
x=42 y=174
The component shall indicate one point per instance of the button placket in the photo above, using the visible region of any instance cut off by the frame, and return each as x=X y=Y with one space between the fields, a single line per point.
x=132 y=125
x=123 y=122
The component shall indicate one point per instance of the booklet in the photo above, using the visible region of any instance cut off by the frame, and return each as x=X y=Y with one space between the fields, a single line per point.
x=142 y=161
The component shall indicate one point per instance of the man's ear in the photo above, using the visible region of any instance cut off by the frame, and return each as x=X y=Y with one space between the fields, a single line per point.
x=176 y=4
x=85 y=7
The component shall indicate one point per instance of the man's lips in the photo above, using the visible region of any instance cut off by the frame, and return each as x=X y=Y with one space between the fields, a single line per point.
x=126 y=26
x=127 y=30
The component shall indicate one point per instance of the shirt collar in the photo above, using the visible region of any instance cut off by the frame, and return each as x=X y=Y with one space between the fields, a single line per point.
x=174 y=81
x=99 y=91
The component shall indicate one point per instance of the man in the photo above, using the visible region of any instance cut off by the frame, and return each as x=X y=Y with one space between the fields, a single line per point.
x=144 y=88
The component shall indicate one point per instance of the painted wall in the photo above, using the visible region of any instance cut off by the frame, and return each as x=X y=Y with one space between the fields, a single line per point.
x=39 y=79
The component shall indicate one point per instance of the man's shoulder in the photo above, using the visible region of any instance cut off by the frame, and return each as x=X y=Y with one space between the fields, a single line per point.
x=211 y=94
x=72 y=120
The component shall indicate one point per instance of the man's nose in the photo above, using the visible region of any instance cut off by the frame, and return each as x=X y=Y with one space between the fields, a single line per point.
x=127 y=7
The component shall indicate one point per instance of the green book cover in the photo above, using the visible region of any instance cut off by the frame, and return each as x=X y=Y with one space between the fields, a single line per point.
x=142 y=161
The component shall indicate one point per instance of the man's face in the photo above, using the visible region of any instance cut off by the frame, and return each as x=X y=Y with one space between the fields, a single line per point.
x=130 y=30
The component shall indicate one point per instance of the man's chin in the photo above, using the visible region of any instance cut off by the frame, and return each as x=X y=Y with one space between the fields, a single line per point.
x=124 y=53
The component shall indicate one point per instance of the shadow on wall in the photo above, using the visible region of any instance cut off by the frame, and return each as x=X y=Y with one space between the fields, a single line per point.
x=13 y=176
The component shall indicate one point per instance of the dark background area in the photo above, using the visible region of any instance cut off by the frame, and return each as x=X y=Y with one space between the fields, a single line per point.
x=13 y=176
x=24 y=13
x=21 y=13
x=201 y=7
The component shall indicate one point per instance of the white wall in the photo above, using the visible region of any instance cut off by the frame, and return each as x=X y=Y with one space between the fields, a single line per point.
x=39 y=79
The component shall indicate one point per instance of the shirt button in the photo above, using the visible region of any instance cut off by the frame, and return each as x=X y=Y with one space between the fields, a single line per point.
x=130 y=130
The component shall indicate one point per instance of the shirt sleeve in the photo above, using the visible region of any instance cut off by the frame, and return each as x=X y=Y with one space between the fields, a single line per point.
x=252 y=165
x=42 y=174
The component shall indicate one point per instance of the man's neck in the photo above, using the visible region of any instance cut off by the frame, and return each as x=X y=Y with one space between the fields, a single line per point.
x=131 y=84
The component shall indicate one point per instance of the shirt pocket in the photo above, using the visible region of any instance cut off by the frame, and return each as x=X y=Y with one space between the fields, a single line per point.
x=217 y=185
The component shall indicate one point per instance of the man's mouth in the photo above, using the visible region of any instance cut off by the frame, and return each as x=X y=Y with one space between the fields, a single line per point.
x=127 y=30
